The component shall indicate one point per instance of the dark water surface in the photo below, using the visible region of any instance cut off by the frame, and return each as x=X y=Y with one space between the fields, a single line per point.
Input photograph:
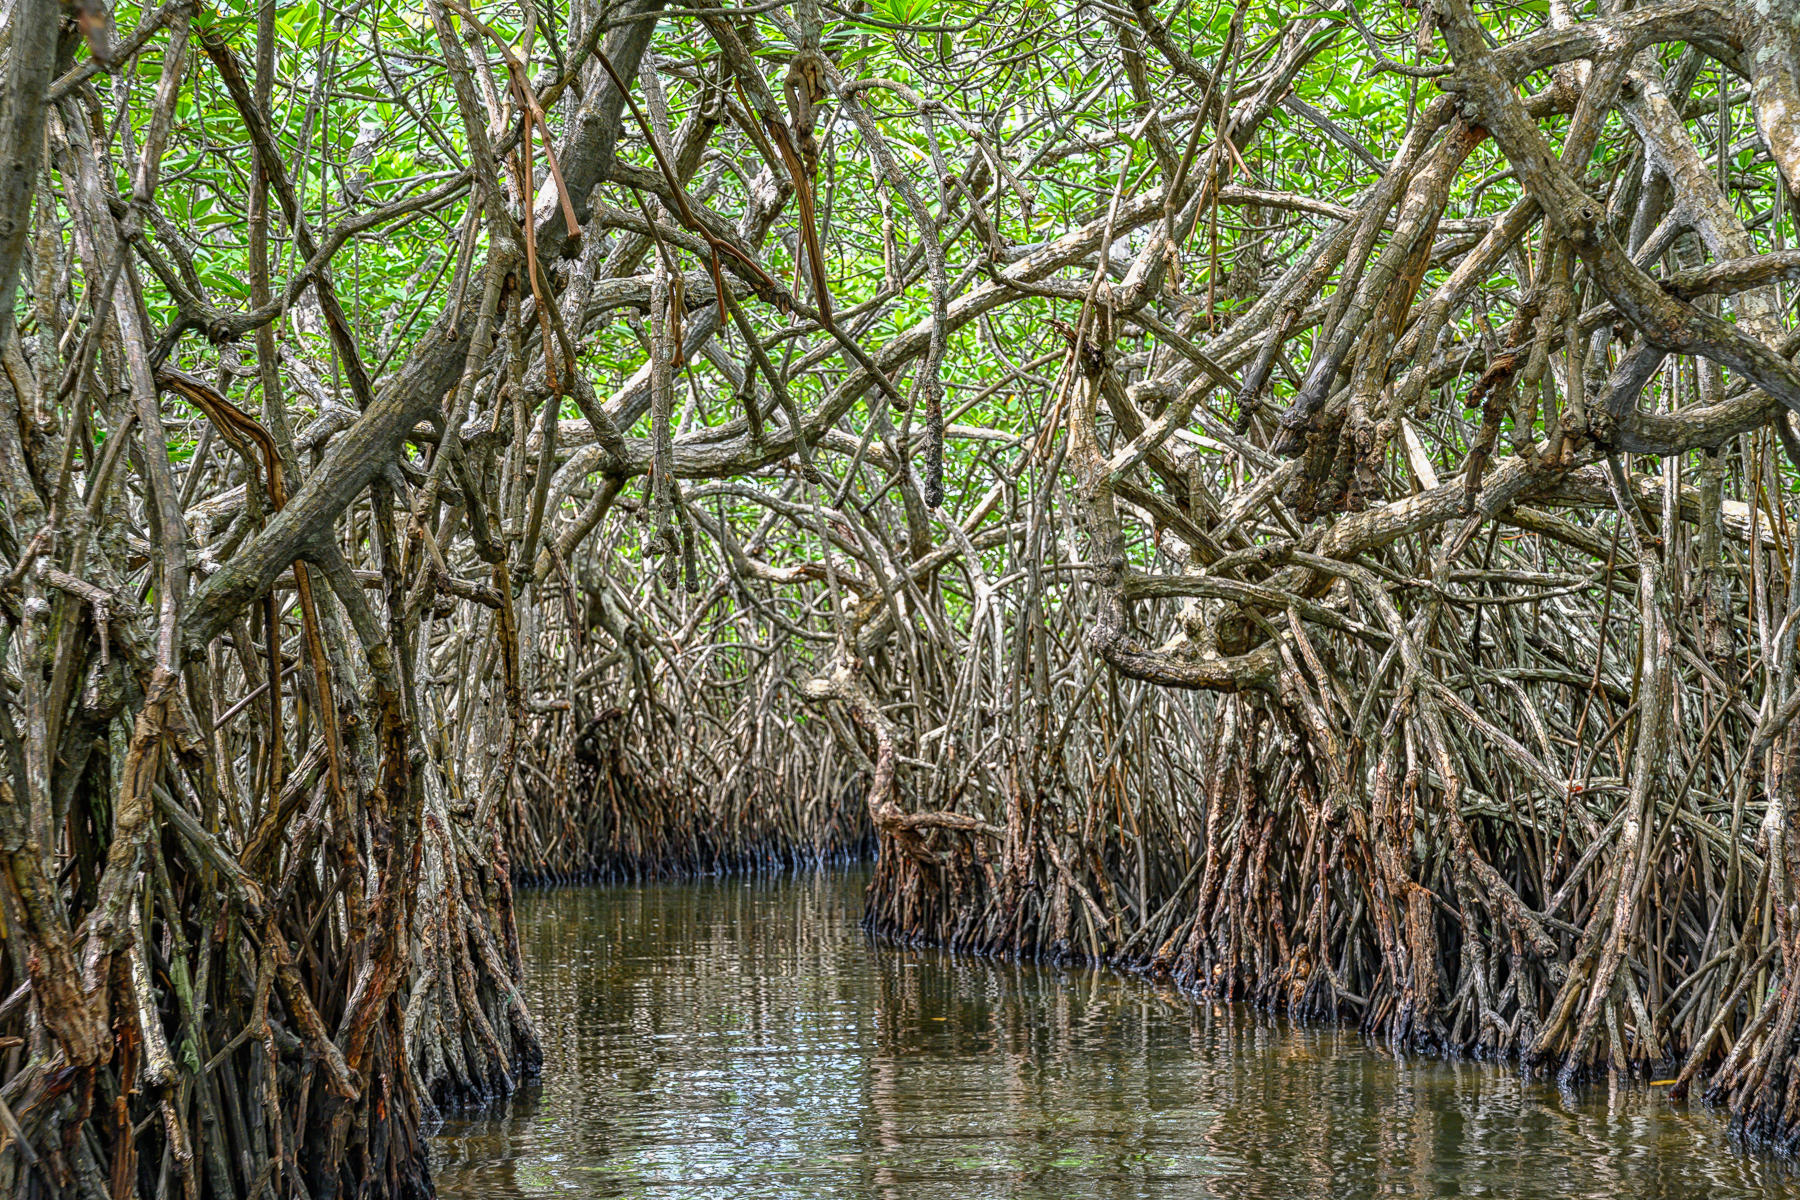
x=734 y=1039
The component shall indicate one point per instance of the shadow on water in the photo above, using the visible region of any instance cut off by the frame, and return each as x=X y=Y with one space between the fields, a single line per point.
x=726 y=1038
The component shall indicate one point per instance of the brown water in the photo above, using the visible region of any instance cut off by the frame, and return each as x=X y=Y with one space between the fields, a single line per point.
x=733 y=1039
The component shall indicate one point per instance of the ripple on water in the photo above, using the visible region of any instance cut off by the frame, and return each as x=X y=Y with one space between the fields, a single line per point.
x=726 y=1039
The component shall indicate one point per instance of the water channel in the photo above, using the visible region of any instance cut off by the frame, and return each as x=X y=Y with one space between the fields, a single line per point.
x=734 y=1038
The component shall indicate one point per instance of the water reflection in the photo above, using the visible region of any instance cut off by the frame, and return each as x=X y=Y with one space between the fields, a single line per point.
x=733 y=1039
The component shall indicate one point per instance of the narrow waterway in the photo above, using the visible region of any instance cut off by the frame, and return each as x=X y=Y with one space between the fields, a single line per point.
x=732 y=1038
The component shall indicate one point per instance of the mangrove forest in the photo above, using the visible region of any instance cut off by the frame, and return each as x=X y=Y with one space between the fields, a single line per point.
x=1292 y=507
